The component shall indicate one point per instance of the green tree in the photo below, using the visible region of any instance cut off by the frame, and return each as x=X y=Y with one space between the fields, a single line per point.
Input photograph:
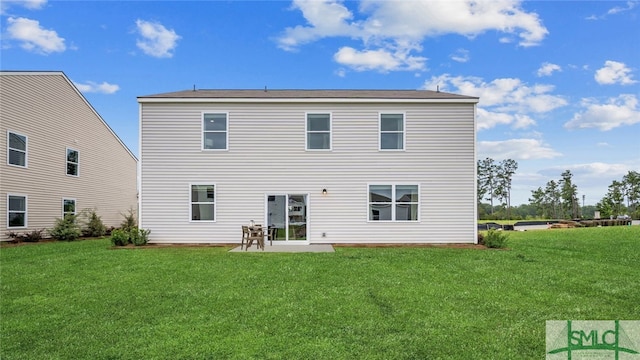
x=631 y=189
x=552 y=198
x=504 y=174
x=487 y=179
x=569 y=196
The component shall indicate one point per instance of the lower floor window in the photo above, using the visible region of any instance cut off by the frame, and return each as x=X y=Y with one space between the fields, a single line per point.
x=68 y=207
x=393 y=202
x=203 y=203
x=16 y=211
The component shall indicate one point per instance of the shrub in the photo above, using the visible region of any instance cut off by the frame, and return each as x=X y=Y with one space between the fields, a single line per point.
x=93 y=226
x=135 y=236
x=119 y=237
x=139 y=237
x=66 y=229
x=496 y=239
x=129 y=222
x=33 y=236
x=480 y=239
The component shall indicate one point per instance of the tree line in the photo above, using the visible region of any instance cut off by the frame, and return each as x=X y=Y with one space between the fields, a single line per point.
x=558 y=199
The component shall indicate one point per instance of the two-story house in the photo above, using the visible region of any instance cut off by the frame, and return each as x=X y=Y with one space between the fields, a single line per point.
x=60 y=156
x=322 y=166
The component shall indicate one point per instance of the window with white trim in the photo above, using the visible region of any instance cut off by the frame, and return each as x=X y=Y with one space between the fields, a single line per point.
x=318 y=131
x=16 y=149
x=394 y=202
x=214 y=131
x=73 y=162
x=16 y=211
x=68 y=207
x=392 y=134
x=203 y=202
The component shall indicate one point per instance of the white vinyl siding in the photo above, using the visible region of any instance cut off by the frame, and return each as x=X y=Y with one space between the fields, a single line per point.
x=73 y=162
x=392 y=131
x=268 y=156
x=318 y=130
x=215 y=135
x=16 y=149
x=16 y=211
x=68 y=207
x=108 y=170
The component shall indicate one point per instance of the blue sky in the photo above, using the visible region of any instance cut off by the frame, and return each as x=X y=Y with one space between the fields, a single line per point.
x=558 y=81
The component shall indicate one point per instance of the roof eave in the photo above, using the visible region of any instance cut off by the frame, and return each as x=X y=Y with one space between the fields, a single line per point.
x=466 y=100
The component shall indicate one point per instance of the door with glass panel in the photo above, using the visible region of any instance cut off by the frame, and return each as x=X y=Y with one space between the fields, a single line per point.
x=288 y=215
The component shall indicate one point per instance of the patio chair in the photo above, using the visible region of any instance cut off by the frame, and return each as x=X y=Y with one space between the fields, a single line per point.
x=255 y=235
x=271 y=234
x=245 y=236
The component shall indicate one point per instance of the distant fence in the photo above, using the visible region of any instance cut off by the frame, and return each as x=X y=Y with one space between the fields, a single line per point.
x=569 y=223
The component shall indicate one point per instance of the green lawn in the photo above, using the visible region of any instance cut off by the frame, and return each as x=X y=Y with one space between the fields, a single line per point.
x=83 y=300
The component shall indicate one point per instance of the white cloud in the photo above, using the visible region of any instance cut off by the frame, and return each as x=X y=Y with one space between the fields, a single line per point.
x=547 y=69
x=597 y=169
x=616 y=112
x=29 y=4
x=156 y=41
x=614 y=10
x=504 y=94
x=619 y=9
x=614 y=72
x=390 y=28
x=486 y=120
x=34 y=38
x=517 y=149
x=504 y=101
x=461 y=56
x=92 y=87
x=381 y=60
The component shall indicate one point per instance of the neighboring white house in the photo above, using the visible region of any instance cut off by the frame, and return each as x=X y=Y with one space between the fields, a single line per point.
x=59 y=156
x=322 y=166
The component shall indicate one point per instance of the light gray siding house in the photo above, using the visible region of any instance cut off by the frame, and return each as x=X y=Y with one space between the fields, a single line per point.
x=322 y=166
x=59 y=156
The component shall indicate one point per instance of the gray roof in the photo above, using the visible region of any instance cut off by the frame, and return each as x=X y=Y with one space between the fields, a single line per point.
x=307 y=94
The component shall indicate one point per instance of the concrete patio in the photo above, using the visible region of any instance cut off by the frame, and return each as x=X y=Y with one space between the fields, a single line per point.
x=287 y=248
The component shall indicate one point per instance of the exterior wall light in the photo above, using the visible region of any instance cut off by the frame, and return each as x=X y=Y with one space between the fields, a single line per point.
x=324 y=191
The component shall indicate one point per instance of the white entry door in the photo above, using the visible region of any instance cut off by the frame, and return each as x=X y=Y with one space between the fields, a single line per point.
x=288 y=215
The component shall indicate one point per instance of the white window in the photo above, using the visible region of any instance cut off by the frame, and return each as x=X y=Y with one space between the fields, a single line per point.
x=73 y=161
x=16 y=149
x=68 y=207
x=394 y=202
x=318 y=131
x=214 y=131
x=392 y=134
x=16 y=211
x=203 y=202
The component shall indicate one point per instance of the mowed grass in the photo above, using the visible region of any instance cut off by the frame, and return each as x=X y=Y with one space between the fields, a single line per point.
x=84 y=300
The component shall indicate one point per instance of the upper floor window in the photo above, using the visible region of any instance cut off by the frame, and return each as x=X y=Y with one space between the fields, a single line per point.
x=393 y=202
x=392 y=132
x=16 y=211
x=16 y=149
x=318 y=131
x=214 y=131
x=68 y=207
x=73 y=161
x=203 y=203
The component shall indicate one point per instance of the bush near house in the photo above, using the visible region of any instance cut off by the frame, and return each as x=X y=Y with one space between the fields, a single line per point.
x=135 y=236
x=66 y=228
x=496 y=239
x=33 y=236
x=92 y=224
